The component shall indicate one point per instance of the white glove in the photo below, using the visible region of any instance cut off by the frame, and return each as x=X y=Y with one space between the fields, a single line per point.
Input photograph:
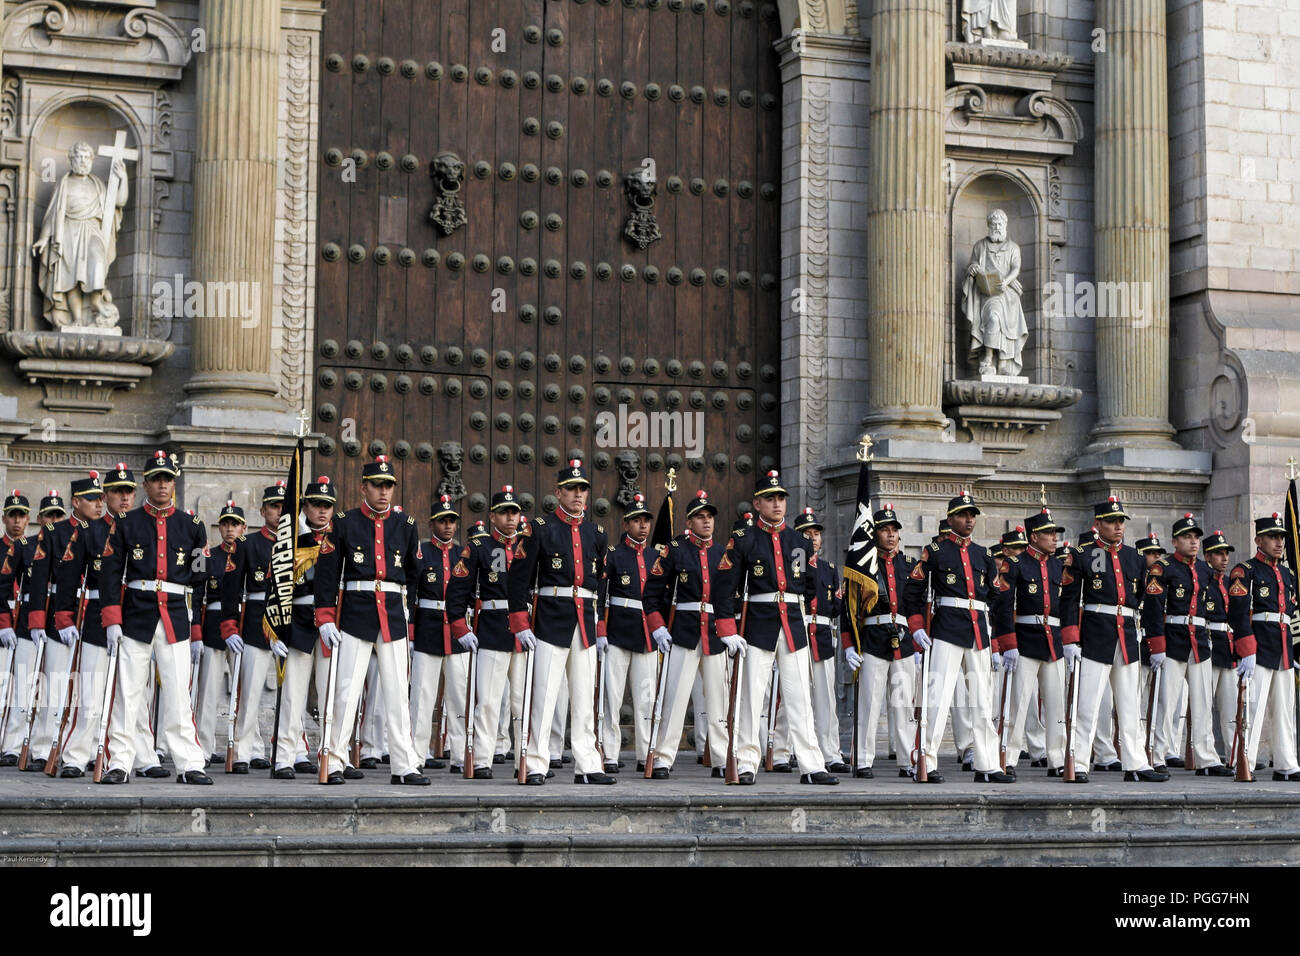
x=997 y=662
x=1072 y=656
x=601 y=644
x=663 y=639
x=68 y=635
x=38 y=635
x=735 y=645
x=280 y=649
x=196 y=652
x=527 y=639
x=8 y=638
x=468 y=641
x=235 y=644
x=329 y=635
x=1246 y=666
x=1156 y=661
x=852 y=658
x=1009 y=658
x=921 y=639
x=112 y=635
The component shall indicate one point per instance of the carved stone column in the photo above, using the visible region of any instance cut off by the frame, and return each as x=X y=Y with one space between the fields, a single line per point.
x=905 y=240
x=235 y=209
x=1132 y=227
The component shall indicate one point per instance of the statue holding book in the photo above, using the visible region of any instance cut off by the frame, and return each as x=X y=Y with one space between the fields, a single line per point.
x=991 y=301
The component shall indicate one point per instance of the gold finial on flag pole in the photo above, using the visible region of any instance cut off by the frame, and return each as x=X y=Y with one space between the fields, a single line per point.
x=1042 y=495
x=864 y=448
x=303 y=420
x=670 y=482
x=1291 y=463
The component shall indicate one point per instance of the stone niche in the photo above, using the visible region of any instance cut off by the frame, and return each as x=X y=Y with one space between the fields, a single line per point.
x=1004 y=132
x=85 y=72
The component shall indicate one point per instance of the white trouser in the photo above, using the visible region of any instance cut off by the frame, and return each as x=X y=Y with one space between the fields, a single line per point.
x=963 y=728
x=81 y=742
x=1224 y=682
x=452 y=670
x=551 y=665
x=354 y=656
x=793 y=682
x=891 y=682
x=290 y=744
x=54 y=690
x=683 y=667
x=491 y=684
x=213 y=696
x=1123 y=680
x=826 y=723
x=780 y=727
x=951 y=666
x=560 y=718
x=253 y=666
x=697 y=708
x=374 y=738
x=1036 y=732
x=1166 y=740
x=1031 y=680
x=640 y=668
x=503 y=724
x=1194 y=680
x=131 y=703
x=1103 y=743
x=1272 y=695
x=20 y=693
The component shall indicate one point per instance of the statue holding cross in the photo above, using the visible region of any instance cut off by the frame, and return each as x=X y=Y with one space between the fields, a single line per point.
x=78 y=240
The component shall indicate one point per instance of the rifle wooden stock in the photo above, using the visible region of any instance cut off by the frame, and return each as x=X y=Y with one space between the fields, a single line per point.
x=922 y=722
x=471 y=689
x=56 y=747
x=354 y=749
x=327 y=722
x=439 y=720
x=1189 y=758
x=731 y=774
x=32 y=699
x=773 y=703
x=1152 y=696
x=1245 y=772
x=526 y=717
x=1072 y=705
x=1002 y=720
x=105 y=713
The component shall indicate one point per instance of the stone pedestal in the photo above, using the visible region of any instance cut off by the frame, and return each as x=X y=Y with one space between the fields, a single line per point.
x=905 y=248
x=80 y=373
x=1132 y=226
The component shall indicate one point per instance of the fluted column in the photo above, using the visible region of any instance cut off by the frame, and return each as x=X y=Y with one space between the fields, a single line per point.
x=235 y=202
x=1132 y=226
x=905 y=219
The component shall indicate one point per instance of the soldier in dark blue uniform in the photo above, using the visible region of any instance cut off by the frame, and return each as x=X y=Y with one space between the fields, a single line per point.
x=964 y=584
x=886 y=659
x=243 y=605
x=1262 y=604
x=682 y=594
x=373 y=551
x=564 y=558
x=1223 y=658
x=823 y=612
x=155 y=556
x=1100 y=604
x=1028 y=625
x=772 y=561
x=292 y=756
x=440 y=656
x=214 y=656
x=1173 y=619
x=480 y=587
x=17 y=513
x=629 y=652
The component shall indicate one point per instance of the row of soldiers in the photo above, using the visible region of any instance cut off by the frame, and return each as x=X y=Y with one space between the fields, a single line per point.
x=529 y=619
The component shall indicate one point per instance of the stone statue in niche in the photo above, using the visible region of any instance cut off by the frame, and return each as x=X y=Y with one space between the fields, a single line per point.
x=983 y=20
x=78 y=241
x=991 y=301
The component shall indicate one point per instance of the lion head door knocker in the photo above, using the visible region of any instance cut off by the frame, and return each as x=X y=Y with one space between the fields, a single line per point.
x=640 y=187
x=628 y=464
x=451 y=457
x=448 y=213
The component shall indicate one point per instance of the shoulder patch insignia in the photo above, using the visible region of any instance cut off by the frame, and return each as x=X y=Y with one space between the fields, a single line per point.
x=67 y=553
x=40 y=552
x=465 y=552
x=460 y=571
x=1238 y=572
x=612 y=547
x=725 y=563
x=326 y=546
x=108 y=548
x=1005 y=565
x=1238 y=589
x=242 y=538
x=600 y=528
x=539 y=521
x=739 y=532
x=1157 y=569
x=230 y=563
x=934 y=546
x=340 y=514
x=196 y=520
x=658 y=568
x=1154 y=586
x=918 y=570
x=1066 y=576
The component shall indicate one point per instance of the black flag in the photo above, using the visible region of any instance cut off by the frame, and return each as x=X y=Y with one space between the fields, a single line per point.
x=860 y=562
x=278 y=619
x=663 y=531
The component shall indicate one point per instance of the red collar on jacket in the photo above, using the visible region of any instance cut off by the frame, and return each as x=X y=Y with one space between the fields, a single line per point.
x=498 y=536
x=635 y=545
x=153 y=512
x=698 y=541
x=375 y=515
x=568 y=518
x=1261 y=556
x=770 y=528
